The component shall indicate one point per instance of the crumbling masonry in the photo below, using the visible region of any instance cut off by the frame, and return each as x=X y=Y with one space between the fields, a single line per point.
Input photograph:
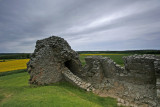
x=136 y=84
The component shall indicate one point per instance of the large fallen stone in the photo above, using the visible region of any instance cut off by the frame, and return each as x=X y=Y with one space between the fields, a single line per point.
x=51 y=56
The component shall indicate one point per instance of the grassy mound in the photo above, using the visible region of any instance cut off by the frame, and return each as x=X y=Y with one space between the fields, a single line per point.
x=16 y=92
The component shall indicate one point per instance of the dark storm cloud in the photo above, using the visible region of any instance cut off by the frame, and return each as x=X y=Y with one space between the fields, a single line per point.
x=86 y=24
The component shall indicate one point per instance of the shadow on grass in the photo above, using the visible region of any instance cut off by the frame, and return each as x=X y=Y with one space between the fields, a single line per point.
x=12 y=72
x=1 y=97
x=103 y=101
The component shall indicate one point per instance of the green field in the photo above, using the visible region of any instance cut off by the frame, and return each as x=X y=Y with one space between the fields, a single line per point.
x=116 y=58
x=16 y=92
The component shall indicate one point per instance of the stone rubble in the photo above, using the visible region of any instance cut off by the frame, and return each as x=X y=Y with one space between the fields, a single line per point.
x=70 y=77
x=137 y=84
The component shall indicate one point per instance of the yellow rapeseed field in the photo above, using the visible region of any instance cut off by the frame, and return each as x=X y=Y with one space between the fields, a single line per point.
x=13 y=65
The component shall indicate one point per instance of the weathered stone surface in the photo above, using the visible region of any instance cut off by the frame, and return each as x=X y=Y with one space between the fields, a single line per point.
x=70 y=77
x=137 y=83
x=93 y=70
x=49 y=59
x=157 y=73
x=140 y=69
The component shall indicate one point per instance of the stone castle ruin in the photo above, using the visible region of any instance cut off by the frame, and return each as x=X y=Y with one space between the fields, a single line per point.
x=136 y=84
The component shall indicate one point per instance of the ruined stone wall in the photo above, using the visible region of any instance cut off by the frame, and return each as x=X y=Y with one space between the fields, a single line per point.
x=157 y=73
x=52 y=61
x=137 y=84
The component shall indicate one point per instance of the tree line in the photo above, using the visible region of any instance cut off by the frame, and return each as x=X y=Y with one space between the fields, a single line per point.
x=15 y=55
x=27 y=55
x=122 y=52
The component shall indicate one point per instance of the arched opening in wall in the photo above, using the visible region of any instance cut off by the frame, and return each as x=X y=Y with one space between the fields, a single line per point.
x=71 y=66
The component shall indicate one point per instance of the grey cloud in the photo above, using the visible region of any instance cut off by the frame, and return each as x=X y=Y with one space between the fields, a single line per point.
x=86 y=24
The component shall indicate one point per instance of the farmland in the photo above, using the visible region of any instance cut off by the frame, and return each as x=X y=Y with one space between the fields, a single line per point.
x=10 y=65
x=115 y=57
x=17 y=92
x=17 y=64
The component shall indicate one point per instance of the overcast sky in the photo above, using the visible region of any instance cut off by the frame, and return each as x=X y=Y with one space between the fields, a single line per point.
x=85 y=24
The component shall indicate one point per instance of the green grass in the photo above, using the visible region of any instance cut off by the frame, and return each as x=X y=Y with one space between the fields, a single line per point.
x=16 y=92
x=1 y=97
x=116 y=58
